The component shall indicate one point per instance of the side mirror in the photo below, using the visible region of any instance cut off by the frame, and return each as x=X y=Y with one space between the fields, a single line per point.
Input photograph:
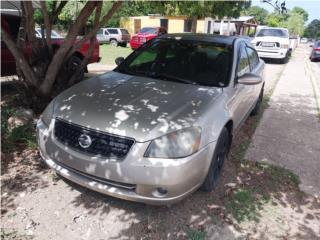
x=119 y=60
x=249 y=79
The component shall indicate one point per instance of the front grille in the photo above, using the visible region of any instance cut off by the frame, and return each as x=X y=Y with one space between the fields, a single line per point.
x=102 y=144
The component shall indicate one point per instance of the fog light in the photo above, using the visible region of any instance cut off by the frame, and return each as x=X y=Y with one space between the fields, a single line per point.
x=159 y=192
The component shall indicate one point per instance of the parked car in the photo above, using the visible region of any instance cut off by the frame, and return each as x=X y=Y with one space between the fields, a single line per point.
x=273 y=43
x=146 y=34
x=54 y=34
x=114 y=36
x=315 y=52
x=304 y=40
x=160 y=125
x=11 y=24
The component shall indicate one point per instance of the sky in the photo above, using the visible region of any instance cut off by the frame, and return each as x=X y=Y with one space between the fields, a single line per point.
x=311 y=6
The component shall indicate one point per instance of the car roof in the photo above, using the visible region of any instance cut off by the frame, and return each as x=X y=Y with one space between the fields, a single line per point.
x=228 y=40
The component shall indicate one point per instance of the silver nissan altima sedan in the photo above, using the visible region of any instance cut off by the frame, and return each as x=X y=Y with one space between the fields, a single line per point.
x=159 y=126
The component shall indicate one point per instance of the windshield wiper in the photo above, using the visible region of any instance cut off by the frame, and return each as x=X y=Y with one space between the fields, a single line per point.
x=164 y=76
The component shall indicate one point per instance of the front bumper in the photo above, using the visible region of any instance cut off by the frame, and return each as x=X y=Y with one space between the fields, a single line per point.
x=272 y=53
x=136 y=178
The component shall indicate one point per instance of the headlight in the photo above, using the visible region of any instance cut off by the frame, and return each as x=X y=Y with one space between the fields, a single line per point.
x=177 y=144
x=47 y=114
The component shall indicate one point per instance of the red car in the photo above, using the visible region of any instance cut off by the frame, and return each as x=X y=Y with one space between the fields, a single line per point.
x=11 y=24
x=145 y=34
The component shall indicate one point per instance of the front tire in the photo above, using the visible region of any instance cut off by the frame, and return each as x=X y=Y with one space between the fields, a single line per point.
x=219 y=156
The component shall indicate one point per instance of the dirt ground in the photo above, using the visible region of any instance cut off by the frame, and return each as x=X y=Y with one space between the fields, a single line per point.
x=37 y=204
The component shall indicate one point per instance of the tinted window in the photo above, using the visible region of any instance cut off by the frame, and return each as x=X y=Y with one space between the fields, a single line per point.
x=253 y=57
x=113 y=31
x=149 y=30
x=100 y=31
x=124 y=31
x=272 y=33
x=202 y=63
x=243 y=64
x=106 y=32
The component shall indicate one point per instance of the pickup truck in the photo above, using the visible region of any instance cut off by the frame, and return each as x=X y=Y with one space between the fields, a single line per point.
x=11 y=23
x=146 y=34
x=273 y=43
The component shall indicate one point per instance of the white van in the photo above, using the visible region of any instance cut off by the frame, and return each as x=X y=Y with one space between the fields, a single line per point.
x=273 y=43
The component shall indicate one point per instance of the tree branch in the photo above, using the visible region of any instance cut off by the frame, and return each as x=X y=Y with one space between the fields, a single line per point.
x=30 y=24
x=91 y=47
x=61 y=53
x=55 y=12
x=96 y=27
x=47 y=25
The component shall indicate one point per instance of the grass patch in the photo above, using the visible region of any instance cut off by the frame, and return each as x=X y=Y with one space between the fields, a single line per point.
x=279 y=175
x=19 y=136
x=196 y=234
x=244 y=204
x=241 y=149
x=109 y=53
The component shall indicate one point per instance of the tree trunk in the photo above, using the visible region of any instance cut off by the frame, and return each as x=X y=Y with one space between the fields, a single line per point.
x=194 y=24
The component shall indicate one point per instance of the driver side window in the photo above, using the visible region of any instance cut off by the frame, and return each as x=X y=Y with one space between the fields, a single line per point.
x=243 y=63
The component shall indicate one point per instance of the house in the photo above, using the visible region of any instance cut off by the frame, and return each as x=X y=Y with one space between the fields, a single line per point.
x=244 y=26
x=173 y=24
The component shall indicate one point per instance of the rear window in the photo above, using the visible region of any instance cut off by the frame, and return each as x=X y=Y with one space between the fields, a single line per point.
x=149 y=30
x=124 y=31
x=272 y=33
x=113 y=31
x=100 y=31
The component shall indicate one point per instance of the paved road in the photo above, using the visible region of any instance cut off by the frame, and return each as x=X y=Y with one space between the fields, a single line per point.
x=289 y=132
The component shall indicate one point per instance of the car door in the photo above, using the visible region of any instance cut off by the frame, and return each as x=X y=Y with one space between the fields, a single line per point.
x=257 y=68
x=106 y=35
x=241 y=97
x=8 y=63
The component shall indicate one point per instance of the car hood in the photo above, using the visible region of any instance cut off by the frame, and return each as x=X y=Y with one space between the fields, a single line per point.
x=138 y=107
x=144 y=35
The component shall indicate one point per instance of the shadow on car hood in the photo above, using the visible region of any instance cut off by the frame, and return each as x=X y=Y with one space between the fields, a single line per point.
x=138 y=107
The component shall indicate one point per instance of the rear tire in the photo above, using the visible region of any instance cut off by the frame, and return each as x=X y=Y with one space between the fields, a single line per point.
x=114 y=43
x=219 y=156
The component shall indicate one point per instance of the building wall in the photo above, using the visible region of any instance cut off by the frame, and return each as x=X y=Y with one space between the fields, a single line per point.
x=200 y=26
x=175 y=24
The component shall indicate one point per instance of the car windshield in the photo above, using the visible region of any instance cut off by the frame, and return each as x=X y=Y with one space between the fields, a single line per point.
x=192 y=62
x=149 y=30
x=272 y=33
